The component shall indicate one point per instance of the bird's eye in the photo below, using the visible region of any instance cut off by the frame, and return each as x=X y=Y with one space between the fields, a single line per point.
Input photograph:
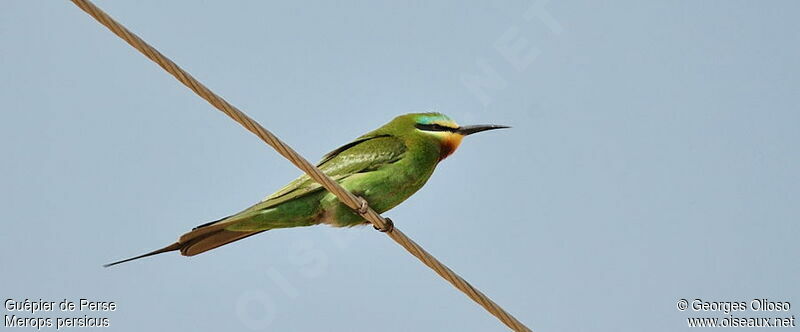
x=433 y=127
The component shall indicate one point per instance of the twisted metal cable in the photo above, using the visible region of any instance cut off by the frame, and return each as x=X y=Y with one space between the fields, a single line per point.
x=287 y=152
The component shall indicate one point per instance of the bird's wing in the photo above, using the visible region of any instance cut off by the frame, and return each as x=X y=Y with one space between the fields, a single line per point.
x=362 y=155
x=304 y=180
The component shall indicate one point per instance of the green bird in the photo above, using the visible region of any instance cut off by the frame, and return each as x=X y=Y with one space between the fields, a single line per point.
x=384 y=167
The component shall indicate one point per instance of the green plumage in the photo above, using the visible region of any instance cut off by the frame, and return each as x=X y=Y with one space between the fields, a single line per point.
x=385 y=167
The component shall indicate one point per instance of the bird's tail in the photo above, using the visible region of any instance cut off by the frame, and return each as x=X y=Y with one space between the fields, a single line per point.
x=171 y=247
x=199 y=240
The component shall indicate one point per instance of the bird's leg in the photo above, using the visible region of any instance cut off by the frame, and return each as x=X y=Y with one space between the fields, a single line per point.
x=363 y=207
x=388 y=228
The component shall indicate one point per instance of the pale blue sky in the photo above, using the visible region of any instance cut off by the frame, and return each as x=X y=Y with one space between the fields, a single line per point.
x=653 y=157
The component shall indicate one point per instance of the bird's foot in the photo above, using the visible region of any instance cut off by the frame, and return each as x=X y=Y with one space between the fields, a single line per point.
x=387 y=228
x=363 y=207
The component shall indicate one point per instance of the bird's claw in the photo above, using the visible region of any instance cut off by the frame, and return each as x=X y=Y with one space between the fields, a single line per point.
x=387 y=228
x=363 y=207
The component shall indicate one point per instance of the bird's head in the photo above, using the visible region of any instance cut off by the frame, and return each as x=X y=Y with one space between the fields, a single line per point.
x=443 y=129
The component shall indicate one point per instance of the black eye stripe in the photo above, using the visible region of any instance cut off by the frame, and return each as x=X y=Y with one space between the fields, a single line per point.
x=433 y=127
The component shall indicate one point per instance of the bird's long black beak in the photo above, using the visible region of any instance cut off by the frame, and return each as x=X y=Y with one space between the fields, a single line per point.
x=469 y=130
